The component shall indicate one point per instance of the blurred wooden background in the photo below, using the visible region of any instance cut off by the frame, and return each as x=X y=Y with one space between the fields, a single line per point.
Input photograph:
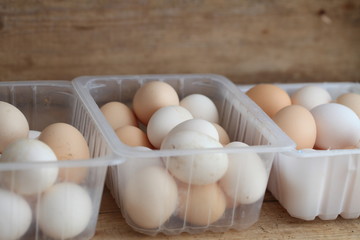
x=248 y=41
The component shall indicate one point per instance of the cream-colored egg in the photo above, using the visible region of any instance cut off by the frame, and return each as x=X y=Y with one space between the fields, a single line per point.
x=118 y=114
x=351 y=100
x=13 y=124
x=133 y=136
x=201 y=106
x=310 y=96
x=163 y=121
x=223 y=135
x=32 y=180
x=152 y=96
x=197 y=124
x=201 y=205
x=15 y=216
x=68 y=144
x=245 y=180
x=201 y=168
x=150 y=197
x=64 y=211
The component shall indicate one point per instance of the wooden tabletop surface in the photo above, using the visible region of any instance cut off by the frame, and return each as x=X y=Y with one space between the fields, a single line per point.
x=274 y=223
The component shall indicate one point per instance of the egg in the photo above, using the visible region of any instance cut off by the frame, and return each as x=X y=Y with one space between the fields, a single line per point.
x=64 y=211
x=337 y=126
x=223 y=135
x=351 y=100
x=201 y=106
x=118 y=114
x=34 y=134
x=246 y=178
x=310 y=96
x=201 y=205
x=32 y=180
x=299 y=124
x=163 y=121
x=152 y=96
x=270 y=98
x=133 y=136
x=150 y=197
x=197 y=124
x=13 y=124
x=15 y=216
x=198 y=169
x=68 y=144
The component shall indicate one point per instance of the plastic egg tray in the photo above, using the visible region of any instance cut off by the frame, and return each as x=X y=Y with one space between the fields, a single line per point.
x=43 y=103
x=239 y=116
x=321 y=183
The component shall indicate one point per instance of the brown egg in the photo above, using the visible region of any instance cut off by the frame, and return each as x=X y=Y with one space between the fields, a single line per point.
x=152 y=96
x=201 y=204
x=351 y=100
x=299 y=124
x=118 y=114
x=269 y=97
x=133 y=136
x=68 y=144
x=223 y=136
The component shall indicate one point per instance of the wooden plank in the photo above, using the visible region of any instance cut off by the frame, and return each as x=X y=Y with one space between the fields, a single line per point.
x=248 y=41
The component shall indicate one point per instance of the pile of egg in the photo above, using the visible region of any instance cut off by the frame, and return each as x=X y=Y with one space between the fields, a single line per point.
x=196 y=188
x=310 y=117
x=49 y=194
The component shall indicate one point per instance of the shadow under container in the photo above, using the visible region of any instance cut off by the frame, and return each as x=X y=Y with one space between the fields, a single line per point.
x=242 y=120
x=73 y=214
x=321 y=183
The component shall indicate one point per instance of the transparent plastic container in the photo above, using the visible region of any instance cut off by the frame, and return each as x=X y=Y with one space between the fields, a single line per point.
x=321 y=183
x=44 y=103
x=239 y=116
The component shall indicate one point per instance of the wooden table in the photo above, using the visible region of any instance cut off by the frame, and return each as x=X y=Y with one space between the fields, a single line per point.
x=274 y=223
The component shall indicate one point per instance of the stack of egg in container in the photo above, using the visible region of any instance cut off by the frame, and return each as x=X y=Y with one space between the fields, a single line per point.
x=184 y=170
x=53 y=162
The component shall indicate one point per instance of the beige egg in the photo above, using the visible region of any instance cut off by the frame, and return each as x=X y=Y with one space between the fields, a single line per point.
x=152 y=96
x=118 y=114
x=269 y=97
x=13 y=124
x=201 y=204
x=150 y=197
x=223 y=136
x=133 y=136
x=351 y=100
x=68 y=144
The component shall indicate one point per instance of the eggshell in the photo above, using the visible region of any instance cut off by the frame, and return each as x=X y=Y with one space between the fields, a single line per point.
x=351 y=100
x=201 y=205
x=133 y=136
x=269 y=97
x=310 y=96
x=64 y=211
x=163 y=121
x=201 y=106
x=299 y=124
x=13 y=124
x=337 y=126
x=246 y=178
x=15 y=216
x=152 y=96
x=150 y=197
x=32 y=180
x=33 y=134
x=199 y=169
x=68 y=144
x=223 y=135
x=118 y=114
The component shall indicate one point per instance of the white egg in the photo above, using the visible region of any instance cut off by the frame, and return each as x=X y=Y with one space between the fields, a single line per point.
x=199 y=169
x=197 y=124
x=337 y=126
x=201 y=106
x=310 y=96
x=64 y=211
x=33 y=134
x=246 y=178
x=31 y=180
x=163 y=120
x=15 y=216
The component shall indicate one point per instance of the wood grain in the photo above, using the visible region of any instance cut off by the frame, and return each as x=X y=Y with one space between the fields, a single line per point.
x=248 y=41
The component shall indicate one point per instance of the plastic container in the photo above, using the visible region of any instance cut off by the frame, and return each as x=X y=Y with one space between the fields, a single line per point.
x=239 y=116
x=321 y=183
x=43 y=103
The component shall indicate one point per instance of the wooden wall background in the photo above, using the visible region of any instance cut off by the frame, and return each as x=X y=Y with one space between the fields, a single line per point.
x=248 y=41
